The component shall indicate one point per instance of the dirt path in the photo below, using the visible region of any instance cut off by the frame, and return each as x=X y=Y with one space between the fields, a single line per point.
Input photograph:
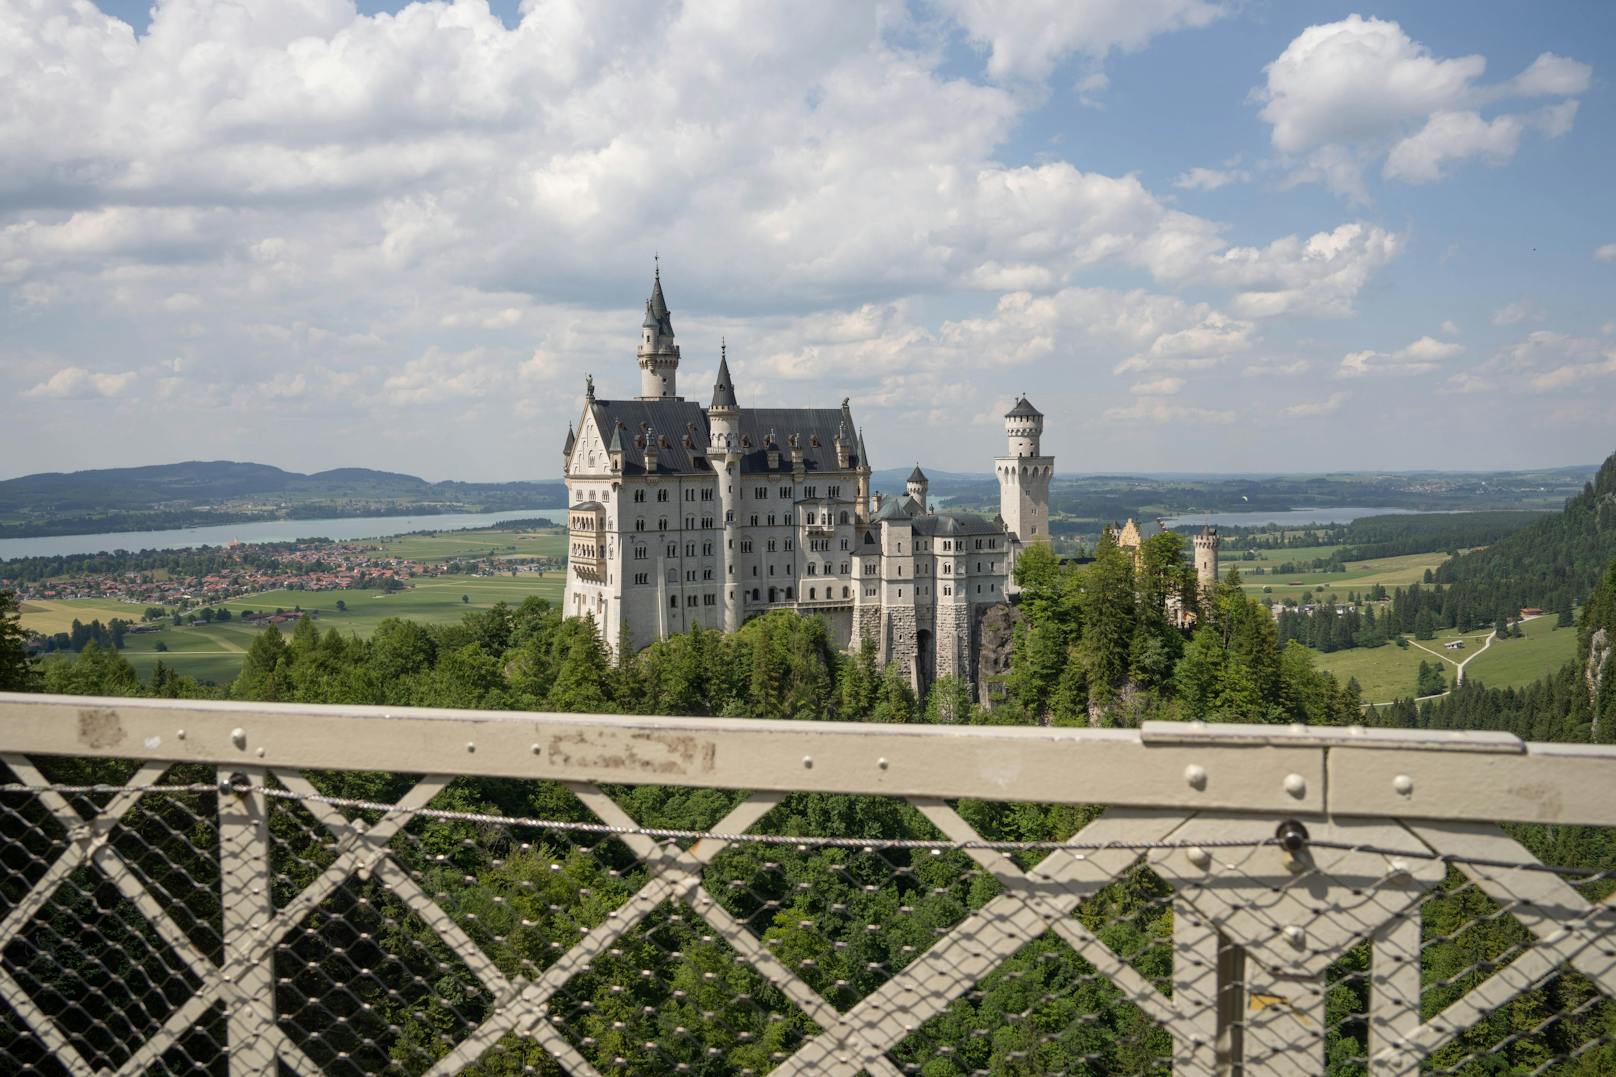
x=1459 y=667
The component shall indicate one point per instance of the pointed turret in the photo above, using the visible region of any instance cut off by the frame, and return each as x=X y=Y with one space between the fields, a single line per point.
x=572 y=439
x=916 y=487
x=658 y=354
x=724 y=388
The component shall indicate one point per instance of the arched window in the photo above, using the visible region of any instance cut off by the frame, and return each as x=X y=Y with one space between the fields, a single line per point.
x=844 y=517
x=844 y=592
x=772 y=594
x=811 y=593
x=754 y=594
x=788 y=594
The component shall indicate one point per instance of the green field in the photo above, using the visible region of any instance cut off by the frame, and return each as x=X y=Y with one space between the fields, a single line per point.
x=50 y=616
x=1390 y=572
x=214 y=652
x=453 y=545
x=1384 y=673
x=1514 y=663
x=1389 y=673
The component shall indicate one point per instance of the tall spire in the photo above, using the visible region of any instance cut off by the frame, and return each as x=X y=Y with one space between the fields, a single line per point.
x=724 y=387
x=658 y=354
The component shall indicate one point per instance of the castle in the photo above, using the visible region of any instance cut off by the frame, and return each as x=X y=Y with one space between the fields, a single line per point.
x=680 y=515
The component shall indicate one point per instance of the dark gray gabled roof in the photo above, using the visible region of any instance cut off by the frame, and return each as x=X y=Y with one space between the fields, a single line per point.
x=724 y=388
x=664 y=419
x=811 y=425
x=897 y=508
x=1023 y=410
x=950 y=524
x=917 y=475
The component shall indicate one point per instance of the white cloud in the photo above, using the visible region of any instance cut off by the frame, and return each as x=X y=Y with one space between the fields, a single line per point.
x=1458 y=136
x=76 y=383
x=1028 y=37
x=1449 y=328
x=1310 y=408
x=1321 y=275
x=1276 y=368
x=1344 y=94
x=1210 y=179
x=1155 y=411
x=1521 y=310
x=1605 y=252
x=1157 y=387
x=1421 y=357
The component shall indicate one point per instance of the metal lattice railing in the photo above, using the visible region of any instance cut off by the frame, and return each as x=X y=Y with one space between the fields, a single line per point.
x=185 y=900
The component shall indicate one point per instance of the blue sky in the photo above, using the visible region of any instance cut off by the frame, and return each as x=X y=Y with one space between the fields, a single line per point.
x=1203 y=235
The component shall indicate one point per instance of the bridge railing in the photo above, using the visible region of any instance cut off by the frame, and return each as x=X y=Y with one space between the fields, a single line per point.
x=259 y=888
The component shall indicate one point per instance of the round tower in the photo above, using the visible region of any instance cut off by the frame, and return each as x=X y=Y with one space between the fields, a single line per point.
x=916 y=487
x=657 y=353
x=1025 y=426
x=1024 y=475
x=724 y=449
x=1206 y=558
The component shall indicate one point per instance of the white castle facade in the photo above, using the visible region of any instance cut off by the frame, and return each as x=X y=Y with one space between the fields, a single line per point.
x=683 y=515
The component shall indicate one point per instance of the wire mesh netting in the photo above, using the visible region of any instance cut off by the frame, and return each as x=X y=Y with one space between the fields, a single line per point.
x=178 y=919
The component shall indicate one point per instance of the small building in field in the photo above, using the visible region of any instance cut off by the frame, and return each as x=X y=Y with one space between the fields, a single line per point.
x=1454 y=645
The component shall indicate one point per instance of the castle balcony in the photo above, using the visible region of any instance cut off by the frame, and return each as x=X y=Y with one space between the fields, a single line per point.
x=285 y=888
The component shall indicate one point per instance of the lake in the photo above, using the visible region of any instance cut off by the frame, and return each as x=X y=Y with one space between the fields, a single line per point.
x=1335 y=514
x=349 y=527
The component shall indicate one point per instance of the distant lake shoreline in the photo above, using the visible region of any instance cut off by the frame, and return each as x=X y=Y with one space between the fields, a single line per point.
x=340 y=528
x=1333 y=514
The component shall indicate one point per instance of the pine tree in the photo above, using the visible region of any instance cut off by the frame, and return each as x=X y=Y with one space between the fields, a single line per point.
x=17 y=672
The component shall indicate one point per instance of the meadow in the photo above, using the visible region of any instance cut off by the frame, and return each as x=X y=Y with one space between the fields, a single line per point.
x=1390 y=572
x=1513 y=663
x=48 y=616
x=213 y=652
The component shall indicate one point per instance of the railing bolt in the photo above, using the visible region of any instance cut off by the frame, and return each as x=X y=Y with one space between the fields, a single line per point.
x=238 y=737
x=180 y=734
x=1195 y=776
x=1403 y=784
x=1199 y=857
x=1295 y=936
x=1292 y=836
x=238 y=784
x=882 y=762
x=1296 y=785
x=808 y=761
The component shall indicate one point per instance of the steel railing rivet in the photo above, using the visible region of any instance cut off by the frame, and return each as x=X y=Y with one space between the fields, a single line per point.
x=535 y=748
x=1195 y=776
x=180 y=734
x=808 y=761
x=260 y=752
x=882 y=762
x=238 y=737
x=1403 y=784
x=1199 y=857
x=471 y=746
x=1295 y=936
x=1296 y=785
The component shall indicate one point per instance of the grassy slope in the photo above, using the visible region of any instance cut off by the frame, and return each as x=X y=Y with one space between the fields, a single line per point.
x=447 y=545
x=1514 y=663
x=1360 y=575
x=213 y=652
x=49 y=616
x=1391 y=672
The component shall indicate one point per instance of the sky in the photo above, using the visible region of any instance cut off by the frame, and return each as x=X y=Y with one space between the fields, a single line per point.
x=1201 y=235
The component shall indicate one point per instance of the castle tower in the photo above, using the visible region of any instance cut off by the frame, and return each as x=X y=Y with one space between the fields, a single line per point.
x=1206 y=559
x=863 y=507
x=724 y=437
x=658 y=354
x=1024 y=475
x=916 y=487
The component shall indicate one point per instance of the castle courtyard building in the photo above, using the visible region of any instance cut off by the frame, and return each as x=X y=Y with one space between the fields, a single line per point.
x=681 y=514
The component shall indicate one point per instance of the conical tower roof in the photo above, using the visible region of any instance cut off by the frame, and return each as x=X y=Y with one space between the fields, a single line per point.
x=1023 y=410
x=572 y=440
x=724 y=387
x=917 y=475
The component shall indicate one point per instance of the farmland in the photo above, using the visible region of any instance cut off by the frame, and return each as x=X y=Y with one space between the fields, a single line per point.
x=449 y=573
x=214 y=652
x=1390 y=572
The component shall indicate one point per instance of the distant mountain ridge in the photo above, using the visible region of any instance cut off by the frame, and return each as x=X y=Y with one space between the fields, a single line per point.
x=227 y=491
